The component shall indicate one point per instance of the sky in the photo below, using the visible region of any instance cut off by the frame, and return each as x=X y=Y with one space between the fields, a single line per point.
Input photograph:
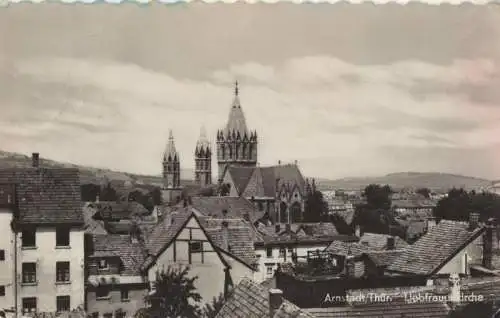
x=346 y=90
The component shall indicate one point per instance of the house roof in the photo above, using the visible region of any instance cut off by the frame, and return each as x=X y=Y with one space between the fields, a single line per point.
x=239 y=239
x=384 y=258
x=347 y=248
x=240 y=177
x=167 y=230
x=236 y=207
x=379 y=241
x=387 y=309
x=46 y=195
x=305 y=233
x=266 y=181
x=92 y=226
x=248 y=299
x=431 y=252
x=131 y=254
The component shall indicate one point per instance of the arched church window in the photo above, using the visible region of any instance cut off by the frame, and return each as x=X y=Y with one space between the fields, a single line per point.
x=230 y=152
x=244 y=151
x=296 y=213
x=250 y=150
x=237 y=155
x=283 y=213
x=223 y=151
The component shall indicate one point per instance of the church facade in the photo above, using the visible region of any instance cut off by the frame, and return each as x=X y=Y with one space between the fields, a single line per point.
x=278 y=190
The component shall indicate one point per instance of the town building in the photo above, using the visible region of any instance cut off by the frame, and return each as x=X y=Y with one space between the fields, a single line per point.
x=115 y=284
x=180 y=240
x=43 y=261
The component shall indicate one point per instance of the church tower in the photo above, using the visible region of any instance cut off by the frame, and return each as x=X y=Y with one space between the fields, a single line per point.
x=236 y=145
x=203 y=160
x=171 y=171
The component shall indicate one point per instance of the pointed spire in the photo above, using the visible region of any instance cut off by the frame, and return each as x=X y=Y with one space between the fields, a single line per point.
x=203 y=142
x=236 y=121
x=170 y=150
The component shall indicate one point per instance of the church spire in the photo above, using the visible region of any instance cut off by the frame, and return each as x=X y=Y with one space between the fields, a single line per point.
x=203 y=142
x=236 y=91
x=170 y=151
x=236 y=122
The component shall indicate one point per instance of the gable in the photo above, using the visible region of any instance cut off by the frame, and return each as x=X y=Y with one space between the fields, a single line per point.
x=233 y=189
x=188 y=230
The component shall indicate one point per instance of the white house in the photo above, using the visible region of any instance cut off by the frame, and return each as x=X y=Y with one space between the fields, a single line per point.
x=45 y=256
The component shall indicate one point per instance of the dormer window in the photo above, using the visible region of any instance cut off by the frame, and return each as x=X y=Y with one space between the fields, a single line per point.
x=103 y=264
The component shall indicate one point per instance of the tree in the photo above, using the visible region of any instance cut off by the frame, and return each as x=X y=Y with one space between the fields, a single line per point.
x=378 y=197
x=460 y=203
x=316 y=208
x=425 y=192
x=90 y=192
x=175 y=295
x=212 y=309
x=156 y=195
x=108 y=193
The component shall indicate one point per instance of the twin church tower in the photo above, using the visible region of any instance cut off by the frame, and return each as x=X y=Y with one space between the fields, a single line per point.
x=236 y=146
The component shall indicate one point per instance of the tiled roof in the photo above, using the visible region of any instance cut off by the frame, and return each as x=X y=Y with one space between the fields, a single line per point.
x=92 y=226
x=347 y=248
x=429 y=253
x=384 y=258
x=210 y=223
x=236 y=207
x=250 y=300
x=166 y=230
x=122 y=227
x=320 y=229
x=301 y=233
x=264 y=180
x=240 y=243
x=379 y=241
x=387 y=309
x=131 y=254
x=46 y=195
x=240 y=177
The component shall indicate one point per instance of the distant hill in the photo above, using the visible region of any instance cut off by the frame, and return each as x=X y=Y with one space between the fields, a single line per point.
x=89 y=174
x=435 y=181
x=432 y=180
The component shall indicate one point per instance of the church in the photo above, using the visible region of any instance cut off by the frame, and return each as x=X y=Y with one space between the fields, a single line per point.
x=278 y=190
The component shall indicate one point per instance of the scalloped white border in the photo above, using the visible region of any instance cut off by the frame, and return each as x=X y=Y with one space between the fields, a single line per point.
x=402 y=2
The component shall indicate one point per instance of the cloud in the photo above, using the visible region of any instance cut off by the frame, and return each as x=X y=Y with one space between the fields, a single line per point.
x=304 y=108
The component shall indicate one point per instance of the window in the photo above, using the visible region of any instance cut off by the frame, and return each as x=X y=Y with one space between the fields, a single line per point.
x=195 y=247
x=29 y=273
x=28 y=238
x=2 y=291
x=282 y=252
x=290 y=251
x=108 y=315
x=62 y=272
x=62 y=237
x=29 y=305
x=124 y=294
x=120 y=314
x=102 y=293
x=103 y=264
x=269 y=252
x=269 y=270
x=63 y=303
x=2 y=255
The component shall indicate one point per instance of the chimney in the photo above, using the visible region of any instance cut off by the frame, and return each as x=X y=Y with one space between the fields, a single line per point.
x=431 y=222
x=473 y=221
x=97 y=198
x=277 y=228
x=349 y=266
x=275 y=301
x=488 y=243
x=35 y=159
x=454 y=295
x=225 y=236
x=357 y=231
x=391 y=242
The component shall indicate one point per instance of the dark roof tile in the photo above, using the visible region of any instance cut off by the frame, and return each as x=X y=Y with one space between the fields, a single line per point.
x=46 y=195
x=439 y=244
